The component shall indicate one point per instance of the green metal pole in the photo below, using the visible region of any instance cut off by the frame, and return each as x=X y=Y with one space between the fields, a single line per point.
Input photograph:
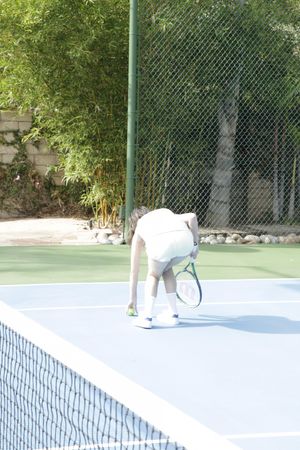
x=132 y=110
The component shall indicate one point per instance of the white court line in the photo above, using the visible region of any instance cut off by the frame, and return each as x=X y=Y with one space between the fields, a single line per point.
x=70 y=308
x=74 y=308
x=89 y=307
x=250 y=302
x=263 y=435
x=126 y=282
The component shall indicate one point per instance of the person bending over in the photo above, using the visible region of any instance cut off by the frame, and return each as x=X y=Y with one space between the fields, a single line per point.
x=168 y=239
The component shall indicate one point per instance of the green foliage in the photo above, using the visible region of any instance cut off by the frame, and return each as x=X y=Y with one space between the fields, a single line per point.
x=22 y=189
x=193 y=55
x=66 y=60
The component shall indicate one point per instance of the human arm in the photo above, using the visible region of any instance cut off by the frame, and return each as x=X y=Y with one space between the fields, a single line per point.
x=136 y=250
x=191 y=221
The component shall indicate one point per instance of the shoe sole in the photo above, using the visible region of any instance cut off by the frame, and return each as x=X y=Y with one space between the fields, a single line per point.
x=146 y=326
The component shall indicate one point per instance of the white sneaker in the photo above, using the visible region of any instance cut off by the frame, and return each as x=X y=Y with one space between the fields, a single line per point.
x=168 y=318
x=143 y=322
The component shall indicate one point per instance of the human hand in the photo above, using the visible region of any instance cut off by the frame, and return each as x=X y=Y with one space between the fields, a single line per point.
x=131 y=309
x=194 y=252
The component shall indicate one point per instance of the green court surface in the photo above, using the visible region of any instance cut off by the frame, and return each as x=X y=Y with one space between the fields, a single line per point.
x=66 y=264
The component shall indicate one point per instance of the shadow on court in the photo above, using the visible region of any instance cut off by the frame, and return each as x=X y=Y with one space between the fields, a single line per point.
x=251 y=324
x=295 y=287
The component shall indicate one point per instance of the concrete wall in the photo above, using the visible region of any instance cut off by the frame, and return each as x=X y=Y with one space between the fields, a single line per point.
x=12 y=125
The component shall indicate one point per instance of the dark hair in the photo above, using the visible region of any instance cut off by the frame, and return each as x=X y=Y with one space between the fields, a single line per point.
x=136 y=214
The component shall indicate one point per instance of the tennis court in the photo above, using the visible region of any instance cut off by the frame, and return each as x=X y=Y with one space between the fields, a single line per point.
x=232 y=364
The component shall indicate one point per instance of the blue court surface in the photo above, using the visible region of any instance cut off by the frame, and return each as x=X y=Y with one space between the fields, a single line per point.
x=233 y=363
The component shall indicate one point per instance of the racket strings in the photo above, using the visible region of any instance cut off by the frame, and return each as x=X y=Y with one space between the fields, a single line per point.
x=187 y=290
x=188 y=287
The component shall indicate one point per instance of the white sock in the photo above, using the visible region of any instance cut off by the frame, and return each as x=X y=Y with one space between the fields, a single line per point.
x=148 y=308
x=172 y=300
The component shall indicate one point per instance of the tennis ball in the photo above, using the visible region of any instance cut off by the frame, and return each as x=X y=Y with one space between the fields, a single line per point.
x=131 y=312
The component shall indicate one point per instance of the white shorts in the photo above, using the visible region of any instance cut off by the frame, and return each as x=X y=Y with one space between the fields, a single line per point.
x=166 y=246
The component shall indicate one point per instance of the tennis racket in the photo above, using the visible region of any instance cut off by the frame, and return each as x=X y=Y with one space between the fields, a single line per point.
x=188 y=289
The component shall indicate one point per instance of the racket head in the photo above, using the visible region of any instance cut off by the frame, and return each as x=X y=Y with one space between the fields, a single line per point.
x=188 y=289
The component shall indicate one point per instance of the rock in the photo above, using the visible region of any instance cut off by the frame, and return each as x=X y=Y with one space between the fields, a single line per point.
x=104 y=242
x=292 y=239
x=102 y=231
x=113 y=236
x=220 y=239
x=118 y=241
x=229 y=240
x=252 y=239
x=268 y=239
x=210 y=238
x=236 y=238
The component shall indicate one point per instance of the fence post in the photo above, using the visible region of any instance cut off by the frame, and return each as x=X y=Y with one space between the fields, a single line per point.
x=132 y=110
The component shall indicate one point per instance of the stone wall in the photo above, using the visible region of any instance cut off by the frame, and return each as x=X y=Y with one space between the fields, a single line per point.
x=14 y=125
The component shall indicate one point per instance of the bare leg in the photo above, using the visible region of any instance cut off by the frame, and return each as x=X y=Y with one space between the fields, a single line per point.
x=169 y=281
x=150 y=294
x=170 y=286
x=155 y=270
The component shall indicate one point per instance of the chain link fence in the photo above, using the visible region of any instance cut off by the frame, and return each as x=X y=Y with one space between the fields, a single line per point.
x=218 y=128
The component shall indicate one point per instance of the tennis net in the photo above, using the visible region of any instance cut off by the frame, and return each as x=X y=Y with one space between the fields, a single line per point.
x=54 y=396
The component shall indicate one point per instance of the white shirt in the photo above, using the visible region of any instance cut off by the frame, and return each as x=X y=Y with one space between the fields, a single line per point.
x=157 y=222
